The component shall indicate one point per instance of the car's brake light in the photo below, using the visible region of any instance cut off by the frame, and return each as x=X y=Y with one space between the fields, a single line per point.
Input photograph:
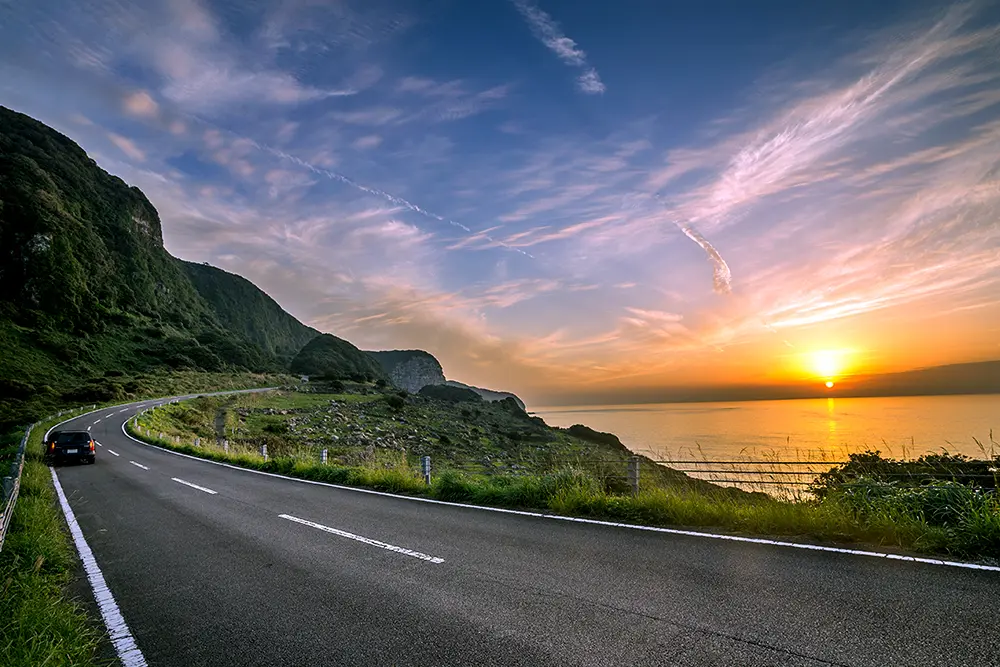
x=91 y=445
x=52 y=445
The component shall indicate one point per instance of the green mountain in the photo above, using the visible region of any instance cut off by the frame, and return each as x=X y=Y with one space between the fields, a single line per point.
x=331 y=357
x=79 y=248
x=241 y=307
x=89 y=298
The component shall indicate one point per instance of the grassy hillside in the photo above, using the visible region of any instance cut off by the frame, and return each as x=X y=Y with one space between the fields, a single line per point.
x=361 y=425
x=243 y=308
x=91 y=304
x=331 y=357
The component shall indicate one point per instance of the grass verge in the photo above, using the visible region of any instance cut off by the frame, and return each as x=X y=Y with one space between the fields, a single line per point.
x=846 y=514
x=40 y=624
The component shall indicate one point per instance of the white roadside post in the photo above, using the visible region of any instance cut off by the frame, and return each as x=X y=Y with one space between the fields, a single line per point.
x=263 y=451
x=322 y=456
x=633 y=474
x=425 y=464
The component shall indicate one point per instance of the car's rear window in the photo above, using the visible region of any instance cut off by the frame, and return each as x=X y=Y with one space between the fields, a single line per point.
x=72 y=438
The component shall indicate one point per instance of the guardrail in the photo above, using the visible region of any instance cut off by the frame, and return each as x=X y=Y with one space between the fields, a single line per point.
x=11 y=484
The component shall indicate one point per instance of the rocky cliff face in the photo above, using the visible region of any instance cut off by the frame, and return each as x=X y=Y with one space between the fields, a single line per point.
x=411 y=370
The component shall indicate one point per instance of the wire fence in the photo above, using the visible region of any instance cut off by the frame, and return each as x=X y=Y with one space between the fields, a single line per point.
x=797 y=477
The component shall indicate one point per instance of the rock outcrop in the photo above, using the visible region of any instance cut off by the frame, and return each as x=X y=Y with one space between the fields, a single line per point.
x=411 y=370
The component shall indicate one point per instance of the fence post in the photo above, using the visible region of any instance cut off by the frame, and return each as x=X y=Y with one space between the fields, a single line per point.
x=322 y=457
x=425 y=464
x=633 y=474
x=263 y=451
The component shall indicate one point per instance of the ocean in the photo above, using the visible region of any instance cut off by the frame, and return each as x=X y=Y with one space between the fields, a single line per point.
x=806 y=429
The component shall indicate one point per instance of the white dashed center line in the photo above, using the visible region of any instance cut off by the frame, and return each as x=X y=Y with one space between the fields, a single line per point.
x=138 y=465
x=96 y=422
x=98 y=444
x=365 y=540
x=193 y=486
x=111 y=451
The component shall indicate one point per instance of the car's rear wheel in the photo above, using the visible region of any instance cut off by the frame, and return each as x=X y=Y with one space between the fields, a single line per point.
x=92 y=459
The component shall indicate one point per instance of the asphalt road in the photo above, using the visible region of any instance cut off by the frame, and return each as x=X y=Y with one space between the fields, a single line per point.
x=229 y=579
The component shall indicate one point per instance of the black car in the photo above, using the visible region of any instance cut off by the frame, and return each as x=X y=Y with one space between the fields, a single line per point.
x=70 y=446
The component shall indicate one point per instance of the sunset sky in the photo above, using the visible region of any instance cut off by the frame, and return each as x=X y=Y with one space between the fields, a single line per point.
x=561 y=198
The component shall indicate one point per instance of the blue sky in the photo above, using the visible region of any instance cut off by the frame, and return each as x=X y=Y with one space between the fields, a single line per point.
x=555 y=196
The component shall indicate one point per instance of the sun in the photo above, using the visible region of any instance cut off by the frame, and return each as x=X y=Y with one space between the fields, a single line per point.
x=828 y=366
x=827 y=363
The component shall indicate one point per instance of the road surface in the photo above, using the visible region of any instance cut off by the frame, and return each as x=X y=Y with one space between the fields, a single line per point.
x=216 y=566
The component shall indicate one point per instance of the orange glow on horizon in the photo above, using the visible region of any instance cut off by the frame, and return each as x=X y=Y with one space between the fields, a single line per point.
x=827 y=365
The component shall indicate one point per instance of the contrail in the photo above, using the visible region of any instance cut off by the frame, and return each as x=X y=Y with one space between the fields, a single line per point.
x=722 y=277
x=382 y=194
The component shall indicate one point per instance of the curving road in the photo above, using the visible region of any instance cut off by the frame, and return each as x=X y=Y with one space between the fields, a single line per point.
x=212 y=565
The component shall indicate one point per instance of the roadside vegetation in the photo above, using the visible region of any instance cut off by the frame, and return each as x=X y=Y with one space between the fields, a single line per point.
x=40 y=623
x=495 y=454
x=24 y=401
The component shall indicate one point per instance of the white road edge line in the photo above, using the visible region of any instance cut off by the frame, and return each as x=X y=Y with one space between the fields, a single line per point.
x=111 y=451
x=194 y=486
x=365 y=540
x=597 y=522
x=121 y=637
x=138 y=465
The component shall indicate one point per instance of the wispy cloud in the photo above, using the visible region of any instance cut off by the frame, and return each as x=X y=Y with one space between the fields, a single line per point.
x=795 y=148
x=551 y=35
x=127 y=146
x=140 y=103
x=394 y=202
